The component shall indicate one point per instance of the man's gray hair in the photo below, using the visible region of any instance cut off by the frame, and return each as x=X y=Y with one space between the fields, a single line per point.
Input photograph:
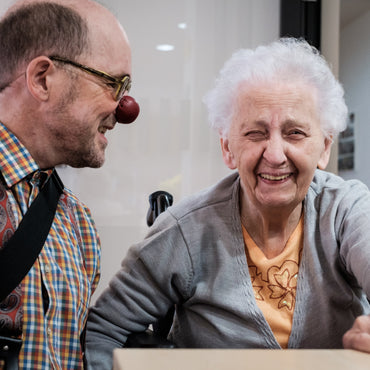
x=39 y=28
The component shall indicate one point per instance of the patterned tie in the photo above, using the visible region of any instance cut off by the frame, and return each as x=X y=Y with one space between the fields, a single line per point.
x=11 y=312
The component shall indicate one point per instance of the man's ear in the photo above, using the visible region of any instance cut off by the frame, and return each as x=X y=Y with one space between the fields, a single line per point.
x=325 y=155
x=37 y=77
x=227 y=153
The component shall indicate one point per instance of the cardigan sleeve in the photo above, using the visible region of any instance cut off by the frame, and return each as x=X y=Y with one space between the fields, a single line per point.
x=353 y=225
x=156 y=274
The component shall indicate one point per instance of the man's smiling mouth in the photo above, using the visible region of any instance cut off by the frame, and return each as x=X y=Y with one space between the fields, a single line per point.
x=102 y=129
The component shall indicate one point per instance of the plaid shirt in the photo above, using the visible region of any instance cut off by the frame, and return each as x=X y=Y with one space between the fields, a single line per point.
x=68 y=267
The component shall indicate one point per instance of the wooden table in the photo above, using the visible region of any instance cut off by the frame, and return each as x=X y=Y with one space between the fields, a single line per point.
x=243 y=359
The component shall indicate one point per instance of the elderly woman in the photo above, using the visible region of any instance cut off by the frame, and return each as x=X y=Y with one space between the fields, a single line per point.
x=276 y=255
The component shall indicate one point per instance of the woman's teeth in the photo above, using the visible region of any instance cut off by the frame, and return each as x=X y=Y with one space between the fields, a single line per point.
x=274 y=178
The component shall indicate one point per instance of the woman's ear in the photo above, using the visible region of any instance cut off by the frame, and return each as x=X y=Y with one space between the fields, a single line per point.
x=227 y=153
x=38 y=72
x=325 y=155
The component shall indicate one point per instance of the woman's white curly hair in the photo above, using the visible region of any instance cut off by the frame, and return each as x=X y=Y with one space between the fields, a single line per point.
x=287 y=59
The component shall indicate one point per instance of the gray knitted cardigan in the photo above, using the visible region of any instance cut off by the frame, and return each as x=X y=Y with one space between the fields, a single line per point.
x=194 y=257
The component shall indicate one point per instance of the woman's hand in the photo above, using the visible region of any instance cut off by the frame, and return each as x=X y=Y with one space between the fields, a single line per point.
x=358 y=337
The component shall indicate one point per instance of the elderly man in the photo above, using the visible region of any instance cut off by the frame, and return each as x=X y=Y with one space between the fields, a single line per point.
x=275 y=255
x=56 y=105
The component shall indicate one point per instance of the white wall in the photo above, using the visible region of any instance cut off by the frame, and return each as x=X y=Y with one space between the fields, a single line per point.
x=355 y=76
x=330 y=27
x=170 y=146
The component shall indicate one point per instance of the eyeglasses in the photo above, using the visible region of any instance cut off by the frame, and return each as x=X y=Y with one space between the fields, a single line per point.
x=120 y=85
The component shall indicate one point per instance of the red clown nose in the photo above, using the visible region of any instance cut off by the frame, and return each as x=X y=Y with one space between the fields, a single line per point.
x=128 y=110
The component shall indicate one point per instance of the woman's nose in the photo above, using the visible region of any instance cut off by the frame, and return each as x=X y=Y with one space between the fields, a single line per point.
x=274 y=152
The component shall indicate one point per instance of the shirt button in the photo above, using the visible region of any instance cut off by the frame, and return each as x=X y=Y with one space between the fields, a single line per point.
x=47 y=269
x=49 y=332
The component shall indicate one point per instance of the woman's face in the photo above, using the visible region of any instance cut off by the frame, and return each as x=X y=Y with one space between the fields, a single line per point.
x=276 y=143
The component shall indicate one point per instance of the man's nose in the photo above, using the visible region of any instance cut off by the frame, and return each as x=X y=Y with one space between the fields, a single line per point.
x=127 y=110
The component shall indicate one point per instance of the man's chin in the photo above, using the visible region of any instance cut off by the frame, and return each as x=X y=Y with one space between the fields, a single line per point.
x=88 y=162
x=90 y=165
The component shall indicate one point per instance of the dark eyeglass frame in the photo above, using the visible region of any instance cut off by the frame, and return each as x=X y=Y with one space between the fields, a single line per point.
x=123 y=85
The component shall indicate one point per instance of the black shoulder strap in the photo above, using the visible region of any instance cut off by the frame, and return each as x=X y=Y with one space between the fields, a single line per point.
x=19 y=253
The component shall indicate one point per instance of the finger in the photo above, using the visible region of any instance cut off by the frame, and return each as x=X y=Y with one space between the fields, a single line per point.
x=354 y=339
x=362 y=323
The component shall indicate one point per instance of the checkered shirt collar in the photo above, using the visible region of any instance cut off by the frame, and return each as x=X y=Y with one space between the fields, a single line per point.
x=15 y=160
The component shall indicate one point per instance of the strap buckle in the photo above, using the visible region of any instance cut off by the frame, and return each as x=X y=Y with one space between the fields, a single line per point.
x=9 y=351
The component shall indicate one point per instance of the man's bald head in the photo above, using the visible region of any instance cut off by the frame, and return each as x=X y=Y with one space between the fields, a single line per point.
x=68 y=28
x=77 y=4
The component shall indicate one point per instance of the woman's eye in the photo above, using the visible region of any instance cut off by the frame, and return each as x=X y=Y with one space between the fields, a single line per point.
x=296 y=134
x=255 y=135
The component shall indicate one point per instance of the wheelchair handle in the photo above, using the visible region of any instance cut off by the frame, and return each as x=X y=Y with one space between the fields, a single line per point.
x=159 y=201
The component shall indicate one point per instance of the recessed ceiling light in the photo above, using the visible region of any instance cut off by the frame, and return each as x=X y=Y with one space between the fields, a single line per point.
x=182 y=25
x=165 y=47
